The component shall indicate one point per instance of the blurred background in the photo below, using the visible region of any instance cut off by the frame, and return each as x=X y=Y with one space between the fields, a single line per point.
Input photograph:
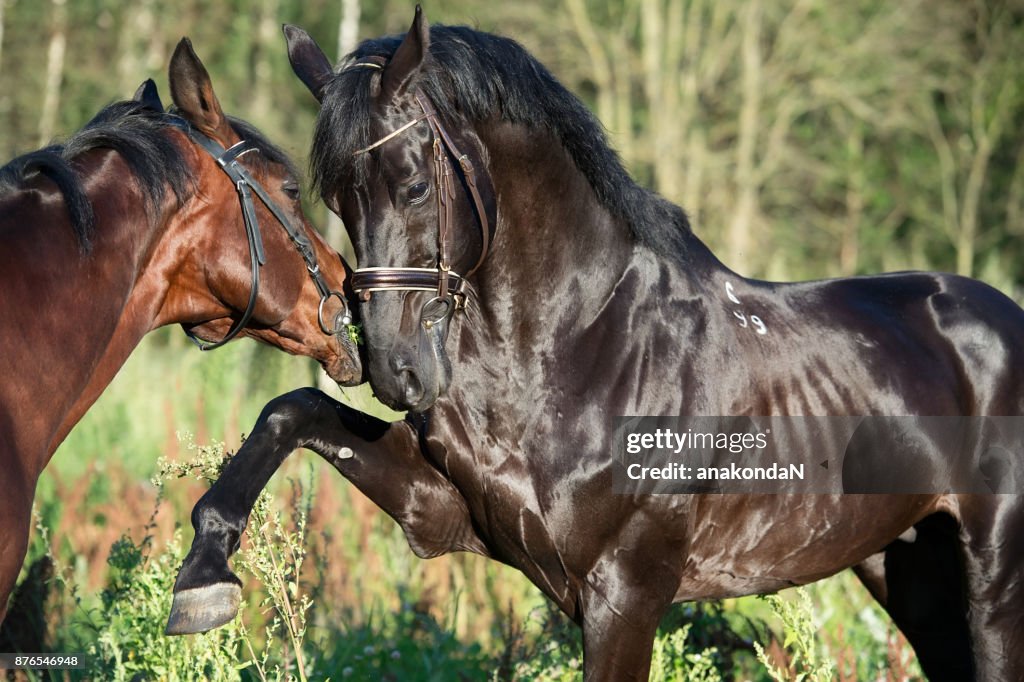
x=806 y=139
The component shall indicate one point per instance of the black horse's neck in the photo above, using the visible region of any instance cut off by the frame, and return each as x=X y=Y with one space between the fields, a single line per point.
x=559 y=261
x=556 y=242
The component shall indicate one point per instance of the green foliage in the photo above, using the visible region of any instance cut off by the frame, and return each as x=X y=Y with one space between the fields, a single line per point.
x=274 y=556
x=554 y=651
x=856 y=634
x=807 y=661
x=553 y=654
x=288 y=631
x=404 y=644
x=130 y=621
x=123 y=634
x=355 y=332
x=675 y=661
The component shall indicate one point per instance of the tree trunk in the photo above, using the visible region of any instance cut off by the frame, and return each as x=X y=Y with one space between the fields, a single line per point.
x=3 y=5
x=740 y=243
x=267 y=38
x=348 y=26
x=334 y=230
x=849 y=250
x=54 y=73
x=348 y=36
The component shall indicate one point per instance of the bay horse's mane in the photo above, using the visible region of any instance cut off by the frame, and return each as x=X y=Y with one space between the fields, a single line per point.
x=475 y=76
x=135 y=131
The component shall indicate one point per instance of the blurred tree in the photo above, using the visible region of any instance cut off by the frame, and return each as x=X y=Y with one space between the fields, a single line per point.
x=809 y=137
x=3 y=6
x=54 y=72
x=979 y=105
x=806 y=138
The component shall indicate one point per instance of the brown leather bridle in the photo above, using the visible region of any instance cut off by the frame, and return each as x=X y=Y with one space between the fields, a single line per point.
x=247 y=186
x=449 y=286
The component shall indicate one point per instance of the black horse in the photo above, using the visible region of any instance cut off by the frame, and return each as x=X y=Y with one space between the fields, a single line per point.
x=583 y=297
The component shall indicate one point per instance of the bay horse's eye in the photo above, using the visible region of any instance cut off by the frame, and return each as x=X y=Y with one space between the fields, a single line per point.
x=417 y=193
x=291 y=189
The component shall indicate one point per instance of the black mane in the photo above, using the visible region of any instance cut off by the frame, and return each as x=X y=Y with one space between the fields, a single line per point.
x=136 y=132
x=476 y=76
x=131 y=129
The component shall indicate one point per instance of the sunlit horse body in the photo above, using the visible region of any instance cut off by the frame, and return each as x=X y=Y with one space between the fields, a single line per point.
x=128 y=226
x=595 y=299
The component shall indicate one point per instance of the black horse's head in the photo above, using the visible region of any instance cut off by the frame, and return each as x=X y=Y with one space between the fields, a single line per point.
x=411 y=185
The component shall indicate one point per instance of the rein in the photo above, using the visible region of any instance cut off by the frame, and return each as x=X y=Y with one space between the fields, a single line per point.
x=448 y=286
x=246 y=186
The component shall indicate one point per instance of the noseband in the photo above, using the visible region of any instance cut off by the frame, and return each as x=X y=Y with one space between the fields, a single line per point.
x=447 y=285
x=246 y=186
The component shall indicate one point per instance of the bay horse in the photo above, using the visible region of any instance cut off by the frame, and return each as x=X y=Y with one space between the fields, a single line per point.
x=519 y=291
x=145 y=218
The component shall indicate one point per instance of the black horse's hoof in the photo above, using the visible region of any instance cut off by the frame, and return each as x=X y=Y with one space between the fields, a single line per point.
x=203 y=608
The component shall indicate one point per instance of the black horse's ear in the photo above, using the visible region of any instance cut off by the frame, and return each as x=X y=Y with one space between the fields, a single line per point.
x=148 y=96
x=309 y=62
x=405 y=64
x=192 y=91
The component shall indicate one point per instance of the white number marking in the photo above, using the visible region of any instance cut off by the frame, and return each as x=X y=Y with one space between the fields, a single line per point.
x=730 y=294
x=758 y=324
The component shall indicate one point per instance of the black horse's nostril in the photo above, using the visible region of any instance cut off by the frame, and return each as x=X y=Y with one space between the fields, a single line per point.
x=408 y=383
x=411 y=385
x=398 y=364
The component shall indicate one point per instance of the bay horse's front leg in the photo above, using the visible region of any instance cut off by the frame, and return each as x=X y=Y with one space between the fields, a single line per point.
x=382 y=459
x=16 y=517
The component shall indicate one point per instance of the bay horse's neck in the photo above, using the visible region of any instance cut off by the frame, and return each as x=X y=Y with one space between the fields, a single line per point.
x=96 y=306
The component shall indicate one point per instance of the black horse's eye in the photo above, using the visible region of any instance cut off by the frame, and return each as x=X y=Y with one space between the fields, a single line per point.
x=417 y=193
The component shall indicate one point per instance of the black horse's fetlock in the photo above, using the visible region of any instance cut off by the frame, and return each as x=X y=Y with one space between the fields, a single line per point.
x=206 y=593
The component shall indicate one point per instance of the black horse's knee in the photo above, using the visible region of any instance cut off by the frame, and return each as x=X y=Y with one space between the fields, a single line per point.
x=281 y=418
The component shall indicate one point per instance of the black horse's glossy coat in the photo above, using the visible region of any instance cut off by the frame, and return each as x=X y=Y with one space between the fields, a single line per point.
x=596 y=301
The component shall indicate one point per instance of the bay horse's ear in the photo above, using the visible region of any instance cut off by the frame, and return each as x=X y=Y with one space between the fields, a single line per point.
x=405 y=64
x=148 y=96
x=309 y=62
x=192 y=92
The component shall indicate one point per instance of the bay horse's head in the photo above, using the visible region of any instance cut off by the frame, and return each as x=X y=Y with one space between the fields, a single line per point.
x=252 y=262
x=412 y=188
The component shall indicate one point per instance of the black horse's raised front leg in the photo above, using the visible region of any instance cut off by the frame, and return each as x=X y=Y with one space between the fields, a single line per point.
x=382 y=459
